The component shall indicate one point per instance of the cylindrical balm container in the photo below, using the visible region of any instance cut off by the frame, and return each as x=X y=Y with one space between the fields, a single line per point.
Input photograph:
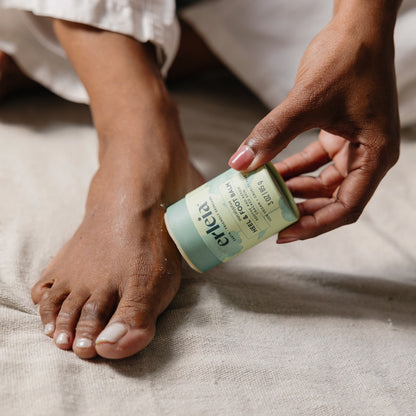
x=230 y=214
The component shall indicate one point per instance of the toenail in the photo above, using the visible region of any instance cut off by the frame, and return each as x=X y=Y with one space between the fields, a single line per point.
x=112 y=333
x=62 y=339
x=49 y=328
x=83 y=343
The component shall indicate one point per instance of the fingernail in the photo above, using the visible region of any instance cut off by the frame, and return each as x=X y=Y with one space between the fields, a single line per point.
x=49 y=328
x=242 y=158
x=112 y=333
x=62 y=339
x=83 y=343
x=286 y=240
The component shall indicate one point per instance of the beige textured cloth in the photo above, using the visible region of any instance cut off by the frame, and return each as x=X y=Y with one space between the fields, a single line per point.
x=321 y=327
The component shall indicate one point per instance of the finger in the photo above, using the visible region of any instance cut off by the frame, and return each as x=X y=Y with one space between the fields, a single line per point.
x=271 y=135
x=314 y=187
x=337 y=148
x=306 y=209
x=310 y=206
x=311 y=158
x=333 y=144
x=346 y=207
x=366 y=169
x=331 y=216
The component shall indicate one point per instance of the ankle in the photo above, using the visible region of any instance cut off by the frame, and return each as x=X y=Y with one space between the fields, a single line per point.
x=135 y=118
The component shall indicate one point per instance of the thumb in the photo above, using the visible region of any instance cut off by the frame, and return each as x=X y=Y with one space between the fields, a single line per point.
x=271 y=135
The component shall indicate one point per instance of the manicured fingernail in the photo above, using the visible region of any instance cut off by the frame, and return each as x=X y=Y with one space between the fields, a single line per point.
x=242 y=158
x=112 y=333
x=49 y=328
x=83 y=343
x=62 y=339
x=286 y=240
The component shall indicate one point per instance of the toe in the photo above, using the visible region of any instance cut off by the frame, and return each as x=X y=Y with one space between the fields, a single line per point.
x=49 y=306
x=67 y=319
x=94 y=316
x=130 y=330
x=40 y=288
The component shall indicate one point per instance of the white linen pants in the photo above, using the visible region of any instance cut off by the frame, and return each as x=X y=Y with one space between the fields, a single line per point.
x=261 y=41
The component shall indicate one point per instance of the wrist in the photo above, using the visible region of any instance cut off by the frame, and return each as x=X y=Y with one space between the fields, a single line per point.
x=371 y=18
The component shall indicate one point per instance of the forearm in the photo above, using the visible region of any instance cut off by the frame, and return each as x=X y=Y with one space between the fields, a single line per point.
x=120 y=75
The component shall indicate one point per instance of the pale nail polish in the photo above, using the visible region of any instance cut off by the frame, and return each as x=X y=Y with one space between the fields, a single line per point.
x=62 y=338
x=112 y=333
x=83 y=343
x=49 y=328
x=242 y=158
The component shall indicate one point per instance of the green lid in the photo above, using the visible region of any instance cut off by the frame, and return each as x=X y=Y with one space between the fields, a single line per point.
x=190 y=244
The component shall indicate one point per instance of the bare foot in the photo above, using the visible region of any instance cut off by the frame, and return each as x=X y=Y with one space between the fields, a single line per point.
x=106 y=287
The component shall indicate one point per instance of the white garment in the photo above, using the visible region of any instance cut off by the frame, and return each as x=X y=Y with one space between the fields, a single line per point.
x=26 y=33
x=262 y=42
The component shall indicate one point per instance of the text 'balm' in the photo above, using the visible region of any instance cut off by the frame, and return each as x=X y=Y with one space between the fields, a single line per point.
x=230 y=214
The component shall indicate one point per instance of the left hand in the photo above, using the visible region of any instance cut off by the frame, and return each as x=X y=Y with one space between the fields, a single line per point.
x=346 y=86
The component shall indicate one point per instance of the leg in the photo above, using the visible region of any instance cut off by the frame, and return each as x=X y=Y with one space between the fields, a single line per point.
x=193 y=56
x=106 y=287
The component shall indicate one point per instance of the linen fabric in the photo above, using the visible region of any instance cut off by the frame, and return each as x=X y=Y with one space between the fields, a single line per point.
x=261 y=42
x=320 y=327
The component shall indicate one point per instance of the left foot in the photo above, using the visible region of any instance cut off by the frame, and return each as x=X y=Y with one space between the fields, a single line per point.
x=104 y=290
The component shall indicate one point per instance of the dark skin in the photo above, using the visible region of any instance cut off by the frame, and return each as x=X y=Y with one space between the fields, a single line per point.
x=120 y=270
x=346 y=86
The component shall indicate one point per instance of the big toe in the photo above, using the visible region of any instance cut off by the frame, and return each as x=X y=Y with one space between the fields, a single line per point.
x=130 y=330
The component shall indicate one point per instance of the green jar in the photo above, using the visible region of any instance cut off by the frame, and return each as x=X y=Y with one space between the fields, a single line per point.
x=230 y=214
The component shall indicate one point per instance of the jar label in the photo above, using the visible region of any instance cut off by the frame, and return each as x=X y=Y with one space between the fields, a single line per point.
x=235 y=211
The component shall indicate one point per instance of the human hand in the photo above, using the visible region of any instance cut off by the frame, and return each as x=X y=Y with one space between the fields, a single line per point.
x=346 y=86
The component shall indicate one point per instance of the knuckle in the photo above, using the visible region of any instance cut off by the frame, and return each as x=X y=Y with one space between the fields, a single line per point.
x=140 y=303
x=352 y=216
x=351 y=212
x=93 y=312
x=385 y=150
x=69 y=311
x=264 y=134
x=65 y=317
x=138 y=313
x=50 y=302
x=47 y=308
x=389 y=155
x=88 y=326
